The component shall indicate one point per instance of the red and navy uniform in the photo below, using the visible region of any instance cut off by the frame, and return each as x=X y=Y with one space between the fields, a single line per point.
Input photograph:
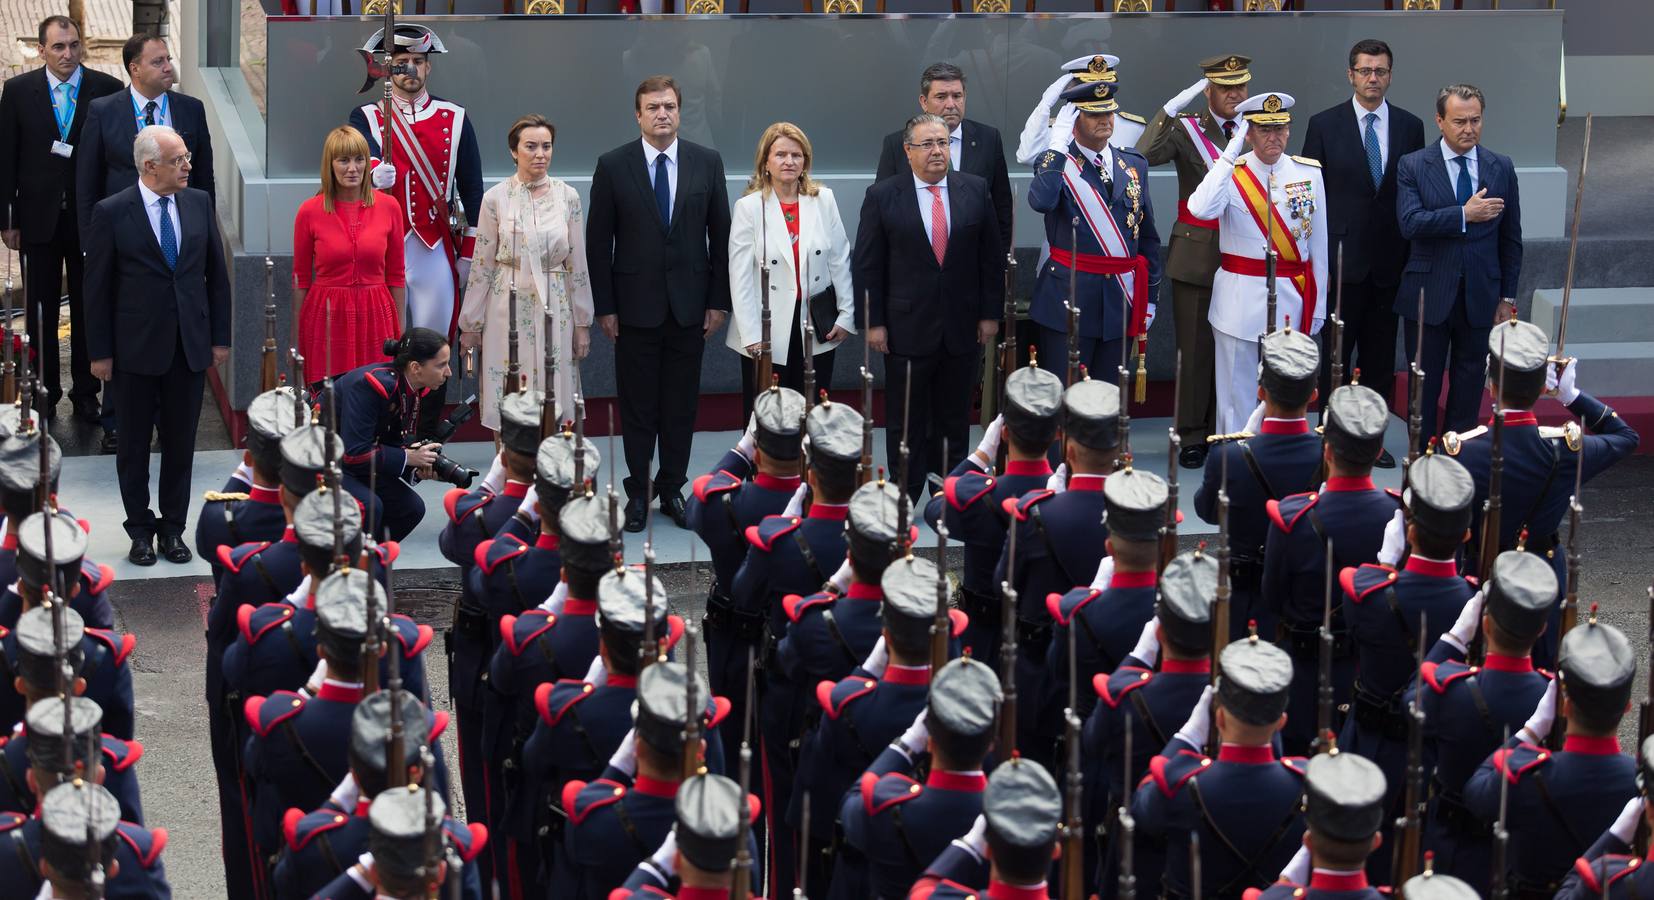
x=510 y=575
x=1109 y=622
x=1539 y=468
x=140 y=875
x=467 y=840
x=227 y=522
x=1352 y=513
x=1059 y=545
x=788 y=555
x=1610 y=861
x=321 y=844
x=108 y=679
x=1323 y=885
x=1557 y=802
x=119 y=776
x=1153 y=704
x=971 y=504
x=614 y=823
x=1277 y=462
x=379 y=413
x=656 y=892
x=91 y=603
x=475 y=516
x=1245 y=805
x=893 y=831
x=997 y=890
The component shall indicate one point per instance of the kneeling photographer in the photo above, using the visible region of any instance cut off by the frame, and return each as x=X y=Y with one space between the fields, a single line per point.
x=379 y=420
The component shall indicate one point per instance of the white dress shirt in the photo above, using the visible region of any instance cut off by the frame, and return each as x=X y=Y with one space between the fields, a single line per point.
x=1220 y=120
x=924 y=197
x=956 y=144
x=1453 y=175
x=152 y=209
x=1102 y=159
x=1381 y=127
x=163 y=108
x=671 y=154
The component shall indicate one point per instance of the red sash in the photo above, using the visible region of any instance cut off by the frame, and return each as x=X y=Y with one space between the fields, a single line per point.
x=1136 y=266
x=1255 y=197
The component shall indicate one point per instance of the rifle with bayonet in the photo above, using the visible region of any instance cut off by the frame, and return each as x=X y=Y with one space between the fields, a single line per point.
x=941 y=629
x=8 y=368
x=1123 y=423
x=1220 y=599
x=904 y=504
x=1409 y=828
x=267 y=362
x=1073 y=306
x=1559 y=360
x=763 y=364
x=1323 y=677
x=513 y=366
x=864 y=469
x=1270 y=258
x=1415 y=394
x=1007 y=339
x=1494 y=505
x=653 y=648
x=1168 y=530
x=548 y=362
x=1570 y=609
x=803 y=850
x=809 y=365
x=1073 y=827
x=1125 y=831
x=693 y=709
x=1007 y=742
x=297 y=361
x=1337 y=326
x=741 y=889
x=1499 y=885
x=580 y=438
x=1194 y=864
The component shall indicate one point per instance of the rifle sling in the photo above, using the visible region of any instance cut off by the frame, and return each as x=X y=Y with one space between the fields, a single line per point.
x=625 y=821
x=1250 y=874
x=809 y=557
x=1550 y=478
x=1257 y=471
x=316 y=767
x=838 y=637
x=1556 y=813
x=1051 y=548
x=1144 y=713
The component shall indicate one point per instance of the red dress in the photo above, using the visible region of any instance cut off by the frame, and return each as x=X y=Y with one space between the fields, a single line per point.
x=356 y=254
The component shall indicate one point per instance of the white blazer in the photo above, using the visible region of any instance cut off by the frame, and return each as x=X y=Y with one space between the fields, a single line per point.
x=823 y=254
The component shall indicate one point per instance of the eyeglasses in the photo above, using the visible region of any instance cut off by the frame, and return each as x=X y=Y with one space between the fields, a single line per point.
x=178 y=162
x=928 y=146
x=1368 y=73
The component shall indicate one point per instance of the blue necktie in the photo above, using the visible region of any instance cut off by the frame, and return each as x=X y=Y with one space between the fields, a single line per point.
x=1462 y=186
x=169 y=237
x=663 y=192
x=1375 y=159
x=60 y=108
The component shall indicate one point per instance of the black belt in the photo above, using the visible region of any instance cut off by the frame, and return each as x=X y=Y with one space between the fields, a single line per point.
x=1378 y=714
x=1245 y=574
x=1033 y=637
x=984 y=609
x=1304 y=642
x=1457 y=818
x=723 y=616
x=472 y=624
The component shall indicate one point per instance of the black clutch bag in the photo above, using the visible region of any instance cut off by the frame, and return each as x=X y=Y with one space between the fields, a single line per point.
x=823 y=313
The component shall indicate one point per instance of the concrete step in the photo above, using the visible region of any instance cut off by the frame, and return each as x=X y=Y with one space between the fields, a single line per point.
x=1614 y=368
x=1599 y=315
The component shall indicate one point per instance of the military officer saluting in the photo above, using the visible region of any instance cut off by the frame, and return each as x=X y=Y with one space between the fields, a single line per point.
x=1043 y=131
x=249 y=508
x=1016 y=833
x=1271 y=460
x=1611 y=868
x=1350 y=512
x=476 y=515
x=1115 y=267
x=1343 y=808
x=1263 y=198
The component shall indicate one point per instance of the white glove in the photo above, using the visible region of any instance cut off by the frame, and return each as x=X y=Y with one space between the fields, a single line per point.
x=1566 y=391
x=1061 y=132
x=795 y=506
x=317 y=676
x=1464 y=627
x=1395 y=540
x=665 y=858
x=1297 y=871
x=1153 y=308
x=877 y=660
x=494 y=481
x=1054 y=90
x=1148 y=643
x=243 y=473
x=345 y=795
x=748 y=444
x=529 y=504
x=1058 y=482
x=975 y=841
x=1105 y=574
x=1176 y=104
x=1237 y=144
x=554 y=603
x=384 y=175
x=1198 y=726
x=840 y=580
x=1316 y=325
x=916 y=739
x=1034 y=137
x=1254 y=421
x=988 y=448
x=625 y=756
x=597 y=674
x=1625 y=827
x=1538 y=725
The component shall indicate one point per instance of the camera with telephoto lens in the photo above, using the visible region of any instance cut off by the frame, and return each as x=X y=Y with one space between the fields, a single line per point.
x=445 y=468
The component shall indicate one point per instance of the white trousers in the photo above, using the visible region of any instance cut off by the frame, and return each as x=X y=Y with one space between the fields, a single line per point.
x=1235 y=369
x=430 y=285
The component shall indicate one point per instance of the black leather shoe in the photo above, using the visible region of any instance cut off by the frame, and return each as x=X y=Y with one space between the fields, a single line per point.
x=1385 y=460
x=1193 y=456
x=636 y=509
x=108 y=447
x=673 y=506
x=172 y=547
x=142 y=552
x=86 y=409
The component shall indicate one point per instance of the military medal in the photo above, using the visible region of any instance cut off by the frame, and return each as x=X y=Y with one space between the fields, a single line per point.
x=1300 y=204
x=1134 y=191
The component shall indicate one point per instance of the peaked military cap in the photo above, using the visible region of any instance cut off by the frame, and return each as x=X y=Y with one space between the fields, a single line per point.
x=44 y=722
x=1255 y=682
x=520 y=421
x=1033 y=398
x=620 y=599
x=909 y=606
x=370 y=731
x=583 y=525
x=1525 y=351
x=1432 y=885
x=1228 y=69
x=710 y=809
x=37 y=662
x=304 y=455
x=661 y=701
x=1439 y=494
x=1091 y=414
x=1134 y=503
x=554 y=465
x=67 y=548
x=1093 y=67
x=835 y=433
x=874 y=514
x=1344 y=795
x=313 y=521
x=270 y=417
x=1520 y=593
x=1597 y=667
x=1289 y=363
x=1355 y=422
x=964 y=697
x=1093 y=97
x=77 y=819
x=1270 y=108
x=1021 y=803
x=342 y=611
x=20 y=461
x=1183 y=601
x=400 y=823
x=779 y=414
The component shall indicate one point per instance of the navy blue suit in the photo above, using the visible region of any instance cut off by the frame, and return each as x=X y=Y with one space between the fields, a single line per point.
x=103 y=161
x=1463 y=268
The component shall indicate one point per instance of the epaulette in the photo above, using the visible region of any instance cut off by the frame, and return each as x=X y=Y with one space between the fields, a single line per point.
x=233 y=558
x=1609 y=866
x=674 y=630
x=96 y=576
x=518 y=631
x=1285 y=513
x=1231 y=436
x=1307 y=161
x=256 y=621
x=581 y=799
x=879 y=793
x=1514 y=762
x=461 y=503
x=1240 y=162
x=554 y=699
x=1453 y=441
x=492 y=552
x=146 y=843
x=300 y=827
x=764 y=534
x=958 y=621
x=388 y=551
x=1130 y=117
x=1297 y=765
x=718 y=710
x=439 y=724
x=1441 y=675
x=1282 y=889
x=121 y=755
x=1113 y=687
x=265 y=713
x=1019 y=506
x=835 y=696
x=1568 y=431
x=383 y=379
x=1170 y=772
x=11 y=820
x=469 y=839
x=415 y=638
x=1064 y=607
x=715 y=483
x=963 y=490
x=219 y=496
x=120 y=645
x=795 y=606
x=1361 y=581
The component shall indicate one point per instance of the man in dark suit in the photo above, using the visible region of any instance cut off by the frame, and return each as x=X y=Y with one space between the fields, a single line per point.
x=972 y=146
x=41 y=113
x=657 y=234
x=1358 y=144
x=1458 y=204
x=158 y=313
x=103 y=162
x=930 y=259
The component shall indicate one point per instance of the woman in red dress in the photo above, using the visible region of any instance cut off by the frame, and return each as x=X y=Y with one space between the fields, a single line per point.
x=347 y=263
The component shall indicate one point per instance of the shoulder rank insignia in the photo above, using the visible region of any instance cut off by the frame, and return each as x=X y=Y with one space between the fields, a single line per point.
x=1131 y=117
x=146 y=843
x=1063 y=607
x=1232 y=436
x=834 y=697
x=795 y=606
x=1170 y=772
x=554 y=699
x=1307 y=161
x=714 y=483
x=879 y=793
x=220 y=496
x=1020 y=506
x=1297 y=765
x=121 y=755
x=1453 y=441
x=1568 y=431
x=963 y=490
x=255 y=622
x=491 y=553
x=1361 y=581
x=581 y=799
x=300 y=827
x=265 y=713
x=518 y=631
x=1440 y=676
x=1285 y=513
x=1514 y=762
x=764 y=534
x=414 y=638
x=1112 y=687
x=460 y=503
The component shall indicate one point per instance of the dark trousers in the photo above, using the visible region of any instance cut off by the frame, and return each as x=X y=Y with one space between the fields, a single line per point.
x=1369 y=340
x=1458 y=344
x=1100 y=358
x=791 y=377
x=1197 y=386
x=172 y=401
x=941 y=397
x=47 y=261
x=372 y=508
x=399 y=508
x=658 y=373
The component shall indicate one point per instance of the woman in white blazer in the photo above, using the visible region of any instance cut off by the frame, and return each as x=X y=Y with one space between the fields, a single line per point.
x=801 y=238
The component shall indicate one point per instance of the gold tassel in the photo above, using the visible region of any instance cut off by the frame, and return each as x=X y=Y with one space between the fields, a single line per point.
x=1142 y=392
